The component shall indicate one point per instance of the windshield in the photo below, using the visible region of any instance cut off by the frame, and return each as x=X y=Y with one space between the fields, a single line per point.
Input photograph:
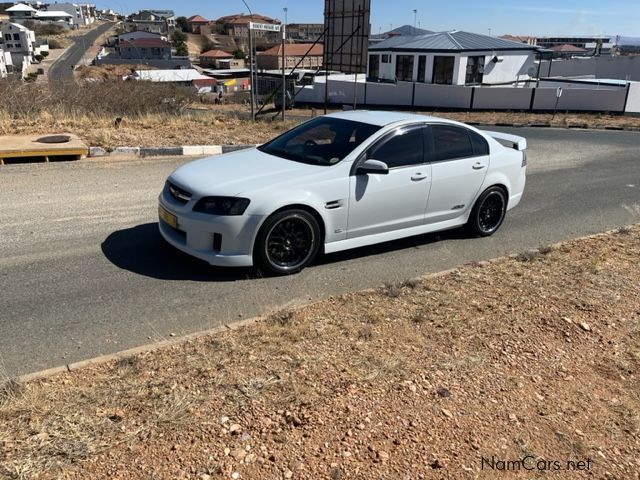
x=321 y=141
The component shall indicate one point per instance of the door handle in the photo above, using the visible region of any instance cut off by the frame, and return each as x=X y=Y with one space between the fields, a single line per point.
x=478 y=166
x=418 y=176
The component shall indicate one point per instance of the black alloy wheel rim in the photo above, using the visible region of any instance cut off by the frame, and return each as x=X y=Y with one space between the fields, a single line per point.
x=491 y=212
x=290 y=243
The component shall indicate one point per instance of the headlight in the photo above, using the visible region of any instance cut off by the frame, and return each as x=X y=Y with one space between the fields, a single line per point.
x=222 y=205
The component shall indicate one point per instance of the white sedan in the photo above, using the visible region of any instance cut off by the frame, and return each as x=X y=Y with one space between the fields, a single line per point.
x=341 y=181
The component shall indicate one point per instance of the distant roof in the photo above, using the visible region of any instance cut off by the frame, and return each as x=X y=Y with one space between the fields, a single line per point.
x=15 y=25
x=455 y=40
x=240 y=18
x=518 y=38
x=146 y=43
x=197 y=19
x=217 y=54
x=409 y=30
x=170 y=75
x=21 y=7
x=52 y=14
x=568 y=48
x=295 y=50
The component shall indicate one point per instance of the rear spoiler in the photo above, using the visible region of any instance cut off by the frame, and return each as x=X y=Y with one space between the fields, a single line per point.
x=519 y=143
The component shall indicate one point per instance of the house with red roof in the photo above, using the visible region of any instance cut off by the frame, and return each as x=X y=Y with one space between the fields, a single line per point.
x=196 y=22
x=220 y=59
x=293 y=53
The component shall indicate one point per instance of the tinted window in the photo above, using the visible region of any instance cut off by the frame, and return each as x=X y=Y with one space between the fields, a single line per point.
x=480 y=145
x=402 y=149
x=451 y=142
x=321 y=141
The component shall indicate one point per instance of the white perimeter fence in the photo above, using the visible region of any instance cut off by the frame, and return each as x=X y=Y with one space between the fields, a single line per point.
x=623 y=99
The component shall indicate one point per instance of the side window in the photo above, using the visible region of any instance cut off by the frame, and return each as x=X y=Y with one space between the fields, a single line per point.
x=404 y=148
x=451 y=142
x=480 y=145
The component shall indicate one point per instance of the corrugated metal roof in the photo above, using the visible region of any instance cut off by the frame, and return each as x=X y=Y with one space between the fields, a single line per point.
x=455 y=40
x=170 y=75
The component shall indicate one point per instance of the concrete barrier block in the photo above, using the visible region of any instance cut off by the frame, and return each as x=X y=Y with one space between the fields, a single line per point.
x=160 y=151
x=126 y=151
x=212 y=149
x=97 y=152
x=193 y=150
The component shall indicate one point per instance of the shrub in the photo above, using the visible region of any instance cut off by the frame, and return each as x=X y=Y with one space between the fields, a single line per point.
x=44 y=54
x=54 y=43
x=38 y=57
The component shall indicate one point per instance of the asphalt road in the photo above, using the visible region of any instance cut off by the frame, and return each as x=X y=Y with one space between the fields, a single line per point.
x=83 y=271
x=62 y=69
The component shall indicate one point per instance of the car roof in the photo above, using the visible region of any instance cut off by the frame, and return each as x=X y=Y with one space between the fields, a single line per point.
x=383 y=118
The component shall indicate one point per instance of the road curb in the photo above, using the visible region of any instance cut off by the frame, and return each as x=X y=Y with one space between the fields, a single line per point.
x=184 y=150
x=237 y=325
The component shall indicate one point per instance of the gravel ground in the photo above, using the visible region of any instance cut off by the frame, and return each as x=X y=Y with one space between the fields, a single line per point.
x=529 y=362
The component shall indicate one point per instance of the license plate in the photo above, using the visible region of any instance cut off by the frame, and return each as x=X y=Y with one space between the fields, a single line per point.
x=168 y=218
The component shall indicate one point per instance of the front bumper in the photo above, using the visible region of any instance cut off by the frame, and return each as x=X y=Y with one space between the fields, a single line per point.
x=196 y=235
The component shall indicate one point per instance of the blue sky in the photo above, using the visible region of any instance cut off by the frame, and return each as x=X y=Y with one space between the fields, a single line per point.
x=543 y=17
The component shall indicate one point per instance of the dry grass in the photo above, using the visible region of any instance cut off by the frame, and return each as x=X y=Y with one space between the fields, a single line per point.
x=159 y=115
x=425 y=376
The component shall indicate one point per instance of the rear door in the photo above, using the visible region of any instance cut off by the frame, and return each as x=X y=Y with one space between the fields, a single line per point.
x=384 y=203
x=459 y=163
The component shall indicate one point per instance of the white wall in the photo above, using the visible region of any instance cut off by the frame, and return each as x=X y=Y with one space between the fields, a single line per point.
x=502 y=98
x=579 y=99
x=514 y=66
x=484 y=98
x=633 y=101
x=341 y=91
x=442 y=96
x=389 y=93
x=622 y=68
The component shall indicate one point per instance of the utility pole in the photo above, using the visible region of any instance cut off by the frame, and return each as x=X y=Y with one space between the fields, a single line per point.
x=252 y=85
x=284 y=75
x=415 y=17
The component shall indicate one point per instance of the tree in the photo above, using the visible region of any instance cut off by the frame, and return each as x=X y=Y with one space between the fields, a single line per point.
x=182 y=50
x=238 y=54
x=182 y=23
x=178 y=37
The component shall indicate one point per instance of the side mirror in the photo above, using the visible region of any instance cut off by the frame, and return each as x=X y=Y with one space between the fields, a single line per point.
x=373 y=167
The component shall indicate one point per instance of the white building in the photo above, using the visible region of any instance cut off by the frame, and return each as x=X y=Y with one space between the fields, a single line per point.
x=81 y=13
x=21 y=12
x=54 y=16
x=5 y=63
x=451 y=58
x=20 y=42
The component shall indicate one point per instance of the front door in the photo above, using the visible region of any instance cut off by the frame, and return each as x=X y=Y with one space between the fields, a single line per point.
x=384 y=203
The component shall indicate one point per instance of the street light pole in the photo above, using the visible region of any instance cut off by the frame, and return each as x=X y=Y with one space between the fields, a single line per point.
x=415 y=17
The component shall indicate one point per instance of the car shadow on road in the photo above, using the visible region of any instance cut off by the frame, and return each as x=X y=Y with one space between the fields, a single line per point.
x=393 y=246
x=142 y=250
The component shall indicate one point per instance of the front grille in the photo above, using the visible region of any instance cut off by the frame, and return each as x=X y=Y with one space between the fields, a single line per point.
x=179 y=194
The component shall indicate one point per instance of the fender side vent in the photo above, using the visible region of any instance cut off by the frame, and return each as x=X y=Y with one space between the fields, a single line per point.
x=333 y=205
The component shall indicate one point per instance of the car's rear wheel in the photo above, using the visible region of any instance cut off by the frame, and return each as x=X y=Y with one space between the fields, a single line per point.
x=488 y=212
x=287 y=242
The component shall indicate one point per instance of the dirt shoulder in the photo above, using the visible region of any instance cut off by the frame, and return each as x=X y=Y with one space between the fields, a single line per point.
x=534 y=358
x=227 y=124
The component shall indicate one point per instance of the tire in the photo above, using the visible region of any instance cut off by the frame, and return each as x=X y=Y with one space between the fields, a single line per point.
x=287 y=242
x=488 y=212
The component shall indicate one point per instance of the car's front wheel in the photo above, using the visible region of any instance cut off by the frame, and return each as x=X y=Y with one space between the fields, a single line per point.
x=488 y=212
x=287 y=242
